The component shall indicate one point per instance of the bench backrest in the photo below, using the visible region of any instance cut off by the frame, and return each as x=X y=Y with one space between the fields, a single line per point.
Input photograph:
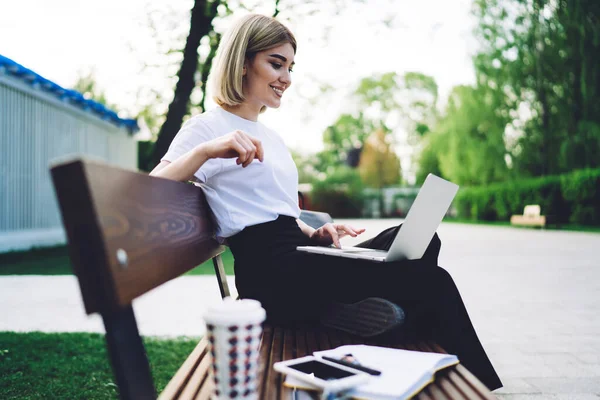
x=129 y=232
x=532 y=210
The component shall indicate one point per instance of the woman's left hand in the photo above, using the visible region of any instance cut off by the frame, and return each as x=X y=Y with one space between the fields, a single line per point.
x=332 y=233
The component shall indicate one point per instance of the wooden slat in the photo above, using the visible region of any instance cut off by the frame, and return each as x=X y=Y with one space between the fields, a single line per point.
x=442 y=379
x=423 y=395
x=266 y=344
x=208 y=389
x=474 y=382
x=447 y=386
x=179 y=380
x=273 y=381
x=462 y=385
x=289 y=352
x=452 y=377
x=196 y=380
x=436 y=392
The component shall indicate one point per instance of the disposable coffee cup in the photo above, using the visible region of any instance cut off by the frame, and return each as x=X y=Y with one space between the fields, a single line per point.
x=234 y=329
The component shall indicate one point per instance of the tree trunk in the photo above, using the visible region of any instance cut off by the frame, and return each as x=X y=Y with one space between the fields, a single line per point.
x=202 y=15
x=207 y=65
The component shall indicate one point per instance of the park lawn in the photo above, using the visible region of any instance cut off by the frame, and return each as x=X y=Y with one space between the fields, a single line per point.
x=75 y=365
x=55 y=261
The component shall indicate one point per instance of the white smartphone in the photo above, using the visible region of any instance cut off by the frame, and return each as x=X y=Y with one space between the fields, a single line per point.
x=322 y=373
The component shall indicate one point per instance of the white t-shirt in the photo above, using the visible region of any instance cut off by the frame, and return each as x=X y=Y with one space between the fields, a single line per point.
x=240 y=197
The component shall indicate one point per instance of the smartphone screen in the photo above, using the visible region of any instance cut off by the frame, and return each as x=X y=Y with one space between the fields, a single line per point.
x=321 y=370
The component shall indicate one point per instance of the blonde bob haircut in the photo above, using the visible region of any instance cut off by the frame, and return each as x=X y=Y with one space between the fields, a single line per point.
x=250 y=35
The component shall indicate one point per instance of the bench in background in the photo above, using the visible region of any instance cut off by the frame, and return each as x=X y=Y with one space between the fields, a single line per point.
x=129 y=233
x=531 y=217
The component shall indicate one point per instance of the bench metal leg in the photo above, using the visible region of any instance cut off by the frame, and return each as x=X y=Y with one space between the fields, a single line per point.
x=221 y=277
x=128 y=356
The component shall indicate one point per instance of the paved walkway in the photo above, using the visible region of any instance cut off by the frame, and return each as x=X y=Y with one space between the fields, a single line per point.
x=534 y=298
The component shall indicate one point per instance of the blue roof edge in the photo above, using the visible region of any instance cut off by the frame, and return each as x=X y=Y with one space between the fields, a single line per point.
x=12 y=68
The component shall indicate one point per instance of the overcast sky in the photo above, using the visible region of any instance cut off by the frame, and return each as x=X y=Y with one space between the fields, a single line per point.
x=58 y=39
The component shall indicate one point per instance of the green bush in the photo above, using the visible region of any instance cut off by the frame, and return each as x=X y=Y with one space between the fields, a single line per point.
x=582 y=190
x=340 y=194
x=572 y=197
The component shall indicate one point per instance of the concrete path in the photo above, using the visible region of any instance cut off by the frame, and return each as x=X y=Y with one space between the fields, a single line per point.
x=533 y=296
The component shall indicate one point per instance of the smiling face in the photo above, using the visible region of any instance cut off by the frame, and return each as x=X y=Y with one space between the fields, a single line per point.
x=267 y=75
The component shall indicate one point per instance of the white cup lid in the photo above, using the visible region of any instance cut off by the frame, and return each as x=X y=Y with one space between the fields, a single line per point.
x=230 y=311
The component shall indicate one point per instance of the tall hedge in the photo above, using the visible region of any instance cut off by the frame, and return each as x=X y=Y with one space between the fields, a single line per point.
x=567 y=198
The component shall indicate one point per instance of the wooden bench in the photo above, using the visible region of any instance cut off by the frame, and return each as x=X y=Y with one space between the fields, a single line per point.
x=531 y=217
x=129 y=233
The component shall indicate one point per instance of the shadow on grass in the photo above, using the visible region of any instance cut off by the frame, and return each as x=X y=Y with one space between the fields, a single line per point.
x=75 y=365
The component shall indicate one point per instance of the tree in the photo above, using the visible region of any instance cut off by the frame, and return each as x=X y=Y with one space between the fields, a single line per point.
x=346 y=134
x=468 y=140
x=86 y=85
x=202 y=15
x=542 y=56
x=379 y=165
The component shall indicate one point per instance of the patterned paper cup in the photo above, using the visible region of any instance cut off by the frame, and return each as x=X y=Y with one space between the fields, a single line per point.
x=234 y=329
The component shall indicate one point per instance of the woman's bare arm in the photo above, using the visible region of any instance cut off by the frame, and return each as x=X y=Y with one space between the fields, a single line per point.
x=236 y=144
x=184 y=168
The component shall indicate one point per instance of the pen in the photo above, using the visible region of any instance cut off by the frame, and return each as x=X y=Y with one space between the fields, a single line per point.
x=369 y=371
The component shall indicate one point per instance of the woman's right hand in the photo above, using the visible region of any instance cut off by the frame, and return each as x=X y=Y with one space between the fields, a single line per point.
x=235 y=144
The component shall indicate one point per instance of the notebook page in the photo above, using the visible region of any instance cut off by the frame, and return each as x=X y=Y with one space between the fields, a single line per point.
x=402 y=371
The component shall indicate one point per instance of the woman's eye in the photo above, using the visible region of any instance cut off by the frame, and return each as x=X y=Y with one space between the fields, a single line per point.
x=276 y=65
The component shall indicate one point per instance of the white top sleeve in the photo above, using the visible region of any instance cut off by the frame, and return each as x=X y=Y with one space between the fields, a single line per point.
x=193 y=133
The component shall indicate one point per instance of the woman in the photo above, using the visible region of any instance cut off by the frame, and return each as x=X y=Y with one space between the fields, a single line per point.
x=251 y=184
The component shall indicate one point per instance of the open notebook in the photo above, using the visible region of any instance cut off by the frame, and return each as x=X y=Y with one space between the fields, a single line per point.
x=403 y=372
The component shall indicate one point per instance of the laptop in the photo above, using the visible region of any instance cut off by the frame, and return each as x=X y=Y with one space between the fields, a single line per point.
x=421 y=222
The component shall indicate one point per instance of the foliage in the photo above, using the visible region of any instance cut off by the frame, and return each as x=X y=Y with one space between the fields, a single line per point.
x=86 y=85
x=468 y=140
x=540 y=57
x=534 y=109
x=571 y=197
x=346 y=133
x=388 y=103
x=339 y=194
x=379 y=165
x=428 y=161
x=75 y=365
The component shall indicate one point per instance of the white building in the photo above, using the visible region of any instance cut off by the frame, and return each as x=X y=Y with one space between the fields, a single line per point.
x=40 y=122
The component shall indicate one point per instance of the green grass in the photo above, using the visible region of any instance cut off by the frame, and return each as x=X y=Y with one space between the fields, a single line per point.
x=75 y=365
x=55 y=261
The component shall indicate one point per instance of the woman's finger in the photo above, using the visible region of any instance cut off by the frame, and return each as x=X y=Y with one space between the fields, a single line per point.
x=239 y=149
x=249 y=150
x=334 y=235
x=346 y=230
x=249 y=145
x=259 y=148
